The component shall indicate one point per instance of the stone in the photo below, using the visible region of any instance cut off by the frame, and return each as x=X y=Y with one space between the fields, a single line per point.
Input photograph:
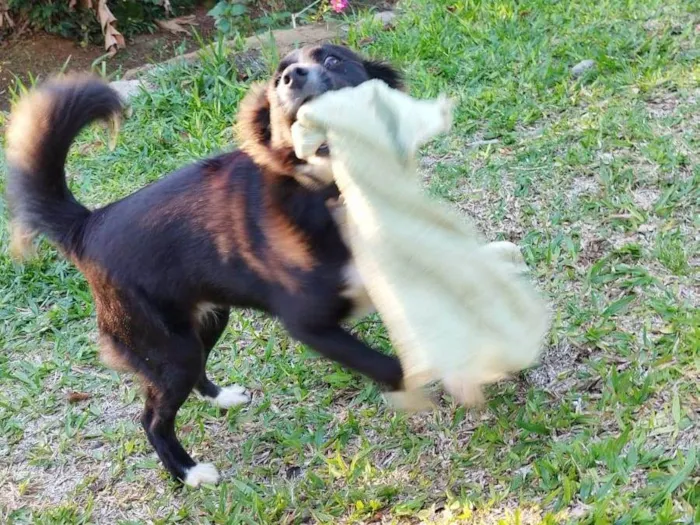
x=386 y=18
x=583 y=66
x=285 y=40
x=128 y=89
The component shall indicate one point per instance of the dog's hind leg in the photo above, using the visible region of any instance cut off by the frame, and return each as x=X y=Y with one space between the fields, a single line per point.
x=210 y=329
x=170 y=375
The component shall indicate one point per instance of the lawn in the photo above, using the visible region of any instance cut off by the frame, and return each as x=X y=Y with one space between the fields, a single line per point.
x=597 y=177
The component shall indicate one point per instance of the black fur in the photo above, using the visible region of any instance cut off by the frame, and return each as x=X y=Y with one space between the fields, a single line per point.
x=236 y=230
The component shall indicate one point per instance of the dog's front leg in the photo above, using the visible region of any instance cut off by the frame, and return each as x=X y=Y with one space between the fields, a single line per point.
x=337 y=344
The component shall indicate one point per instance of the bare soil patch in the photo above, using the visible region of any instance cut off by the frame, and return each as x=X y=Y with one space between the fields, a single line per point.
x=39 y=54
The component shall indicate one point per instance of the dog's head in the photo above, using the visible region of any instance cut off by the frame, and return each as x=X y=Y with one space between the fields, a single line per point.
x=269 y=110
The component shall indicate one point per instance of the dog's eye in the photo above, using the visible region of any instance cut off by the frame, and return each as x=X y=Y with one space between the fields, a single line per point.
x=330 y=61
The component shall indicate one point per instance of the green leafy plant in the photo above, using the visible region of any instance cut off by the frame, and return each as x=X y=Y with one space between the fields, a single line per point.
x=79 y=22
x=56 y=17
x=231 y=16
x=244 y=16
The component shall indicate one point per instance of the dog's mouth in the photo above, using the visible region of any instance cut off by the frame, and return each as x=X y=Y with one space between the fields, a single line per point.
x=300 y=104
x=323 y=150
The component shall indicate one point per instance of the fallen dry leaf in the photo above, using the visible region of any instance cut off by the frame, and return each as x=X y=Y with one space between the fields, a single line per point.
x=76 y=397
x=175 y=25
x=113 y=38
x=5 y=19
x=366 y=41
x=5 y=15
x=166 y=6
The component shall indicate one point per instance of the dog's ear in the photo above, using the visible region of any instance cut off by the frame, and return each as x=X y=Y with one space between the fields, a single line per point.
x=385 y=72
x=254 y=116
x=255 y=132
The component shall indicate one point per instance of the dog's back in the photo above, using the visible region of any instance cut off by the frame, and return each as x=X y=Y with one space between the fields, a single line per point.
x=220 y=230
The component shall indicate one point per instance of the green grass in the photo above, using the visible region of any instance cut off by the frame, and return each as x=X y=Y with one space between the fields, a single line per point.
x=597 y=178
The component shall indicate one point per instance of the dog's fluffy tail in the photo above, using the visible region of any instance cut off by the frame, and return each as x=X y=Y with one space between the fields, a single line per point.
x=42 y=127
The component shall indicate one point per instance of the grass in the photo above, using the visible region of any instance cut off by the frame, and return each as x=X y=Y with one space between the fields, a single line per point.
x=596 y=177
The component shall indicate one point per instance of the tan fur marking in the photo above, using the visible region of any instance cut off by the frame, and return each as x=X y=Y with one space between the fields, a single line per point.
x=220 y=221
x=274 y=152
x=21 y=241
x=112 y=317
x=203 y=313
x=25 y=130
x=111 y=356
x=242 y=240
x=286 y=242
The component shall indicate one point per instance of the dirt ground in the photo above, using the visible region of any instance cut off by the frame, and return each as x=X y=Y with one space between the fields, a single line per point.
x=41 y=54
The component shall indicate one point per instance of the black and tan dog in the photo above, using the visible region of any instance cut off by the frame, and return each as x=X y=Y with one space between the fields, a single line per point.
x=250 y=228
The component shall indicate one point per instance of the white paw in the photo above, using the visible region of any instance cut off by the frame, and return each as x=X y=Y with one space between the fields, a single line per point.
x=411 y=401
x=507 y=250
x=508 y=253
x=230 y=396
x=202 y=473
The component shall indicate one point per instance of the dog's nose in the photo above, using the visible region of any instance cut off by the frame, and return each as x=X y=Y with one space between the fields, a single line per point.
x=295 y=76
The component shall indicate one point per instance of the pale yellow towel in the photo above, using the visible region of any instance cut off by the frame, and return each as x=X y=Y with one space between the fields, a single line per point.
x=456 y=309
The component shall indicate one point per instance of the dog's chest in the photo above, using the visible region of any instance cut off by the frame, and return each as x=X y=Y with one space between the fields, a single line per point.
x=354 y=290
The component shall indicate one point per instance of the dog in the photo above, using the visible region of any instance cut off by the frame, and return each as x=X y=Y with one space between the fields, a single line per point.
x=251 y=228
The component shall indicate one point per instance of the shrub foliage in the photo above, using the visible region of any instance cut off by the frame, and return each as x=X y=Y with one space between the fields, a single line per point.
x=107 y=21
